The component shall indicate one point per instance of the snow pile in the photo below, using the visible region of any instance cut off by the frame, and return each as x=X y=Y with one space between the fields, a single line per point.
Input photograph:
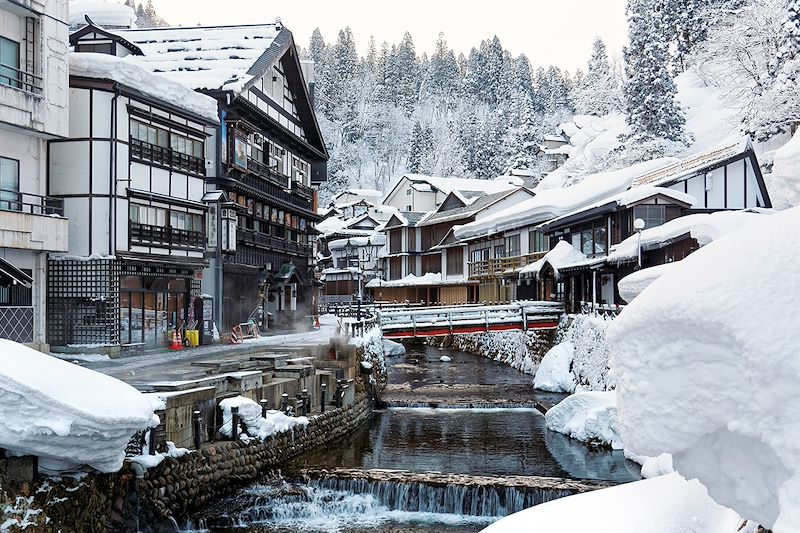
x=515 y=348
x=589 y=417
x=706 y=363
x=784 y=181
x=105 y=13
x=657 y=466
x=666 y=504
x=257 y=426
x=375 y=348
x=152 y=461
x=562 y=255
x=590 y=362
x=555 y=370
x=703 y=227
x=127 y=72
x=64 y=412
x=633 y=284
x=445 y=359
x=430 y=278
x=392 y=348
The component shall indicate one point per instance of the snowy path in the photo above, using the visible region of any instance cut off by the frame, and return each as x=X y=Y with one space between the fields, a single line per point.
x=174 y=365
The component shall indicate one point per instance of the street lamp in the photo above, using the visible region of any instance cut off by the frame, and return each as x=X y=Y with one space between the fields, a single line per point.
x=638 y=225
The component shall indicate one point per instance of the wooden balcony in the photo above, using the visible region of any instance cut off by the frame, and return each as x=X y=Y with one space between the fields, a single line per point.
x=261 y=240
x=502 y=266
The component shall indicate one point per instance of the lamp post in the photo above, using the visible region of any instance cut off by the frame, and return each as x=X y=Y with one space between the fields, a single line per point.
x=638 y=225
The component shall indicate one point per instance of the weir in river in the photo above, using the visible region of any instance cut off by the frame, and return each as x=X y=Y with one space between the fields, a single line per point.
x=444 y=469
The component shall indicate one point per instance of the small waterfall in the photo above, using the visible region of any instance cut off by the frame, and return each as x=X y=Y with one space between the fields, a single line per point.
x=475 y=405
x=472 y=500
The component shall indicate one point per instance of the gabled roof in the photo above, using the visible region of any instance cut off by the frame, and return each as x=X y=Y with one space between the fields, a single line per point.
x=352 y=223
x=690 y=165
x=93 y=29
x=467 y=211
x=468 y=188
x=409 y=219
x=229 y=59
x=211 y=57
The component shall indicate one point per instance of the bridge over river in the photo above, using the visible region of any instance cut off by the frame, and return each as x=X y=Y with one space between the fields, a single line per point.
x=442 y=321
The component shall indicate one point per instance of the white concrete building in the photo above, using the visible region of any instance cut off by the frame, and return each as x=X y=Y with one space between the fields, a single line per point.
x=33 y=110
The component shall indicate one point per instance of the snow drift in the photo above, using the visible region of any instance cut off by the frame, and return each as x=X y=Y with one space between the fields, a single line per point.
x=555 y=371
x=257 y=425
x=587 y=416
x=64 y=412
x=666 y=504
x=706 y=367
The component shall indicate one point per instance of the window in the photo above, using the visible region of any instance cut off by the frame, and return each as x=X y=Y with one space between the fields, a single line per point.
x=537 y=242
x=512 y=246
x=99 y=48
x=9 y=63
x=653 y=215
x=408 y=192
x=9 y=184
x=499 y=251
x=162 y=146
x=299 y=169
x=408 y=208
x=276 y=154
x=455 y=261
x=186 y=221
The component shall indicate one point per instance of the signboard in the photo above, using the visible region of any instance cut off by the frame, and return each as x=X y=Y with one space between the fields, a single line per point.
x=240 y=149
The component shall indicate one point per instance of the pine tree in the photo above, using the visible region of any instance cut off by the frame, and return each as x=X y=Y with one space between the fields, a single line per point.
x=131 y=4
x=415 y=151
x=403 y=71
x=685 y=24
x=443 y=77
x=597 y=92
x=790 y=47
x=651 y=109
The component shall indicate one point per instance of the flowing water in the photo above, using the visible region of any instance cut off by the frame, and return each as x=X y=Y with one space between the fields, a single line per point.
x=481 y=442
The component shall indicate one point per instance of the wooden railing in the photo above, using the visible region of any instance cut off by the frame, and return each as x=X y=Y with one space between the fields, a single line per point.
x=502 y=265
x=147 y=234
x=167 y=157
x=263 y=240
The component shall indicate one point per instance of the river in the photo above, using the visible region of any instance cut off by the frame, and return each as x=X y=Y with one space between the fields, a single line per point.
x=453 y=438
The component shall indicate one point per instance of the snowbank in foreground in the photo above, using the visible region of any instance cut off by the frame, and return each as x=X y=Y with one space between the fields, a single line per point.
x=587 y=416
x=555 y=371
x=257 y=426
x=666 y=504
x=784 y=181
x=68 y=414
x=706 y=366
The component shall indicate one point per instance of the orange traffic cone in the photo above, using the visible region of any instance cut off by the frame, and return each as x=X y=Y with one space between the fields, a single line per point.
x=180 y=341
x=176 y=344
x=316 y=321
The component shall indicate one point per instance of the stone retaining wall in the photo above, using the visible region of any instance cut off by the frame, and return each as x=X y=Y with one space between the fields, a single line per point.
x=157 y=499
x=178 y=487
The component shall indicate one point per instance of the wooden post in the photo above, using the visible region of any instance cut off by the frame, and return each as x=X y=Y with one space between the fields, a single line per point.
x=196 y=430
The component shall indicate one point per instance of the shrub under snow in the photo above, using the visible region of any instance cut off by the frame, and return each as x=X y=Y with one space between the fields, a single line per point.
x=590 y=364
x=707 y=365
x=555 y=371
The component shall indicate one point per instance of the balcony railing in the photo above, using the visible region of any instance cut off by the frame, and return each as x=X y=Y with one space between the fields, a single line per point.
x=502 y=265
x=166 y=236
x=268 y=186
x=19 y=79
x=302 y=190
x=33 y=204
x=264 y=171
x=167 y=157
x=262 y=240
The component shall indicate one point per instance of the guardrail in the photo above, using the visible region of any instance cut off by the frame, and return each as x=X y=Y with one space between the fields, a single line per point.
x=32 y=204
x=454 y=320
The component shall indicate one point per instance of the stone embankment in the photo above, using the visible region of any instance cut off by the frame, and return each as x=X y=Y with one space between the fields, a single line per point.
x=179 y=487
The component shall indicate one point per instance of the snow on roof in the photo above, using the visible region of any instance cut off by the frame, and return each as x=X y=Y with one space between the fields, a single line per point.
x=106 y=13
x=561 y=256
x=464 y=185
x=692 y=164
x=126 y=71
x=378 y=239
x=703 y=227
x=475 y=206
x=431 y=278
x=44 y=413
x=550 y=203
x=212 y=57
x=716 y=336
x=364 y=193
x=625 y=199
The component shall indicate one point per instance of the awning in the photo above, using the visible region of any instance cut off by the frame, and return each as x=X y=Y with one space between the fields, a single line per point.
x=10 y=274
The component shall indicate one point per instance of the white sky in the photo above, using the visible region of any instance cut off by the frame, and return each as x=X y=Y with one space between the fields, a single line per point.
x=558 y=32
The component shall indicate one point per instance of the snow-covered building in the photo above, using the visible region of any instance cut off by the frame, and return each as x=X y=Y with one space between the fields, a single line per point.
x=132 y=178
x=354 y=263
x=417 y=193
x=270 y=157
x=423 y=243
x=33 y=109
x=725 y=178
x=554 y=151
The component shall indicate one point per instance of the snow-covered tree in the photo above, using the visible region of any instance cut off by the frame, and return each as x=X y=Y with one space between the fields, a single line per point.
x=403 y=75
x=443 y=76
x=651 y=109
x=599 y=92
